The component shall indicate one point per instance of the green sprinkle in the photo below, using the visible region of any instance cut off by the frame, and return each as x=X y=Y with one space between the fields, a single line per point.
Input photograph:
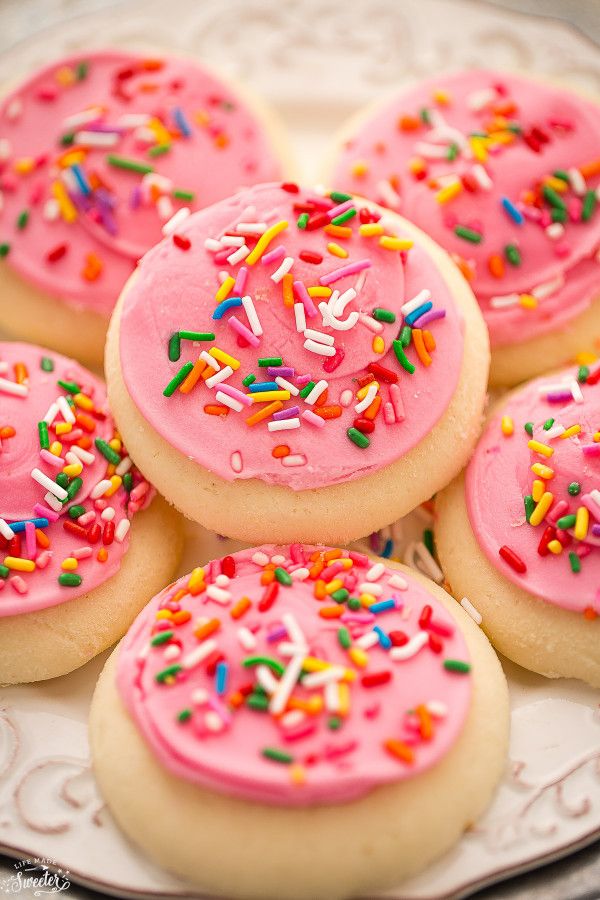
x=574 y=488
x=282 y=576
x=339 y=197
x=265 y=361
x=302 y=220
x=334 y=723
x=383 y=315
x=530 y=505
x=548 y=424
x=405 y=335
x=566 y=522
x=307 y=389
x=457 y=665
x=73 y=489
x=468 y=234
x=428 y=540
x=71 y=387
x=81 y=70
x=22 y=219
x=529 y=428
x=575 y=563
x=562 y=174
x=553 y=198
x=68 y=139
x=43 y=435
x=174 y=347
x=277 y=755
x=358 y=438
x=69 y=579
x=339 y=220
x=425 y=116
x=341 y=595
x=130 y=165
x=344 y=638
x=184 y=195
x=107 y=452
x=273 y=664
x=249 y=379
x=178 y=379
x=47 y=364
x=62 y=480
x=197 y=335
x=354 y=604
x=169 y=672
x=558 y=215
x=76 y=511
x=4 y=571
x=511 y=251
x=128 y=481
x=590 y=202
x=161 y=638
x=583 y=374
x=402 y=358
x=452 y=152
x=184 y=716
x=258 y=702
x=4 y=250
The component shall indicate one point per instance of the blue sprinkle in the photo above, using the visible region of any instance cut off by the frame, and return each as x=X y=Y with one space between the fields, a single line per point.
x=260 y=386
x=382 y=606
x=81 y=180
x=181 y=122
x=412 y=317
x=224 y=305
x=515 y=214
x=384 y=640
x=221 y=678
x=20 y=526
x=387 y=550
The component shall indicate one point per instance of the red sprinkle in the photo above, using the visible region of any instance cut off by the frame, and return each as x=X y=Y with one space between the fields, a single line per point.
x=381 y=372
x=290 y=187
x=548 y=535
x=435 y=643
x=75 y=529
x=366 y=426
x=228 y=566
x=398 y=638
x=375 y=679
x=182 y=242
x=57 y=253
x=108 y=535
x=310 y=257
x=515 y=562
x=268 y=598
x=425 y=616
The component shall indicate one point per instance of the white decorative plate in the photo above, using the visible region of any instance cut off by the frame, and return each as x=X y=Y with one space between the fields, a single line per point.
x=316 y=61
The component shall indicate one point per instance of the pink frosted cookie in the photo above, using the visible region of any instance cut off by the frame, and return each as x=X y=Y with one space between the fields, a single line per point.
x=299 y=690
x=503 y=172
x=82 y=541
x=292 y=361
x=520 y=534
x=98 y=152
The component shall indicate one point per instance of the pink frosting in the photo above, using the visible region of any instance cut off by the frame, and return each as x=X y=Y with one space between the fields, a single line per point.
x=176 y=288
x=499 y=478
x=216 y=145
x=191 y=672
x=22 y=498
x=557 y=130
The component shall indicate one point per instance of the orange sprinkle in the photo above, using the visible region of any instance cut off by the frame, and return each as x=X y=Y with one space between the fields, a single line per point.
x=589 y=170
x=203 y=631
x=428 y=340
x=21 y=374
x=417 y=336
x=86 y=422
x=267 y=577
x=313 y=706
x=338 y=231
x=93 y=267
x=288 y=292
x=280 y=451
x=590 y=614
x=102 y=555
x=7 y=432
x=328 y=412
x=216 y=409
x=241 y=607
x=496 y=265
x=179 y=595
x=372 y=411
x=320 y=589
x=182 y=616
x=322 y=400
x=425 y=723
x=332 y=612
x=236 y=700
x=192 y=378
x=41 y=538
x=332 y=554
x=84 y=442
x=409 y=123
x=318 y=567
x=264 y=413
x=400 y=750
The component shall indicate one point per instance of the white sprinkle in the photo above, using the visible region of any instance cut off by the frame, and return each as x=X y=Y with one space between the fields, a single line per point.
x=133 y=120
x=555 y=231
x=97 y=138
x=210 y=360
x=164 y=208
x=123 y=467
x=252 y=316
x=300 y=574
x=284 y=424
x=368 y=398
x=200 y=697
x=50 y=485
x=293 y=629
x=213 y=721
x=250 y=228
x=555 y=432
x=503 y=301
x=398 y=581
x=481 y=177
x=320 y=336
x=286 y=386
x=468 y=607
x=293 y=460
x=246 y=638
x=422 y=297
x=293 y=718
x=332 y=697
x=222 y=580
x=82 y=118
x=266 y=679
x=260 y=558
x=226 y=400
x=222 y=375
x=437 y=709
x=236 y=461
x=86 y=458
x=300 y=316
x=320 y=349
x=175 y=221
x=65 y=410
x=576 y=391
x=388 y=194
x=11 y=387
x=367 y=640
x=431 y=151
x=369 y=587
x=172 y=651
x=100 y=488
x=122 y=529
x=14 y=109
x=577 y=182
x=232 y=240
x=52 y=502
x=283 y=269
x=286 y=685
x=547 y=288
x=108 y=514
x=312 y=397
x=51 y=210
x=375 y=572
x=478 y=100
x=216 y=593
x=6 y=531
x=234 y=258
x=346 y=398
x=416 y=643
x=212 y=245
x=371 y=323
x=4 y=149
x=323 y=676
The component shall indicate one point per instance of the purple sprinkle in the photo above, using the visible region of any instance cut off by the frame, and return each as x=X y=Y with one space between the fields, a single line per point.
x=559 y=396
x=596 y=530
x=277 y=634
x=283 y=371
x=302 y=380
x=428 y=317
x=286 y=413
x=135 y=198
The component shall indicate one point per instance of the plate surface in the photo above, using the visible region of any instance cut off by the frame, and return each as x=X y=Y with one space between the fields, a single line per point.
x=316 y=61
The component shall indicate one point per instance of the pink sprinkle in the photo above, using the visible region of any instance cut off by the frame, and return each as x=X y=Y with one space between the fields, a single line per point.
x=397 y=404
x=588 y=501
x=343 y=271
x=339 y=209
x=44 y=512
x=235 y=394
x=562 y=249
x=559 y=509
x=545 y=218
x=30 y=542
x=359 y=559
x=302 y=296
x=389 y=417
x=313 y=419
x=57 y=462
x=302 y=380
x=43 y=559
x=363 y=618
x=244 y=332
x=297 y=554
x=273 y=256
x=139 y=492
x=574 y=208
x=18 y=584
x=72 y=436
x=82 y=552
x=301 y=731
x=220 y=256
x=583 y=550
x=240 y=281
x=591 y=449
x=331 y=363
x=87 y=518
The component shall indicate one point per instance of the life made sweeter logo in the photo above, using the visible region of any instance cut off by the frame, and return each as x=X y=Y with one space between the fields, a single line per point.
x=36 y=878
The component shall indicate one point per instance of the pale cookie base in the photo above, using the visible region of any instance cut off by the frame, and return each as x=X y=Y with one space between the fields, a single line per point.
x=249 y=850
x=253 y=511
x=538 y=636
x=513 y=363
x=29 y=314
x=40 y=645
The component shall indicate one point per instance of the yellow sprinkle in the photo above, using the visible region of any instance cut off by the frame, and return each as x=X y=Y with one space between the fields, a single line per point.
x=378 y=344
x=264 y=241
x=68 y=210
x=367 y=600
x=539 y=513
x=596 y=437
x=359 y=168
x=69 y=564
x=370 y=229
x=543 y=471
x=507 y=426
x=441 y=96
x=83 y=402
x=225 y=289
x=585 y=358
x=297 y=774
x=196 y=581
x=160 y=132
x=449 y=192
x=164 y=614
x=224 y=358
x=115 y=483
x=63 y=427
x=582 y=521
x=116 y=444
x=364 y=390
x=313 y=664
x=55 y=448
x=74 y=158
x=269 y=396
x=570 y=432
x=73 y=470
x=478 y=147
x=537 y=490
x=318 y=290
x=334 y=585
x=538 y=447
x=557 y=183
x=344 y=699
x=18 y=564
x=394 y=243
x=358 y=657
x=527 y=301
x=555 y=547
x=65 y=76
x=416 y=165
x=24 y=166
x=336 y=250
